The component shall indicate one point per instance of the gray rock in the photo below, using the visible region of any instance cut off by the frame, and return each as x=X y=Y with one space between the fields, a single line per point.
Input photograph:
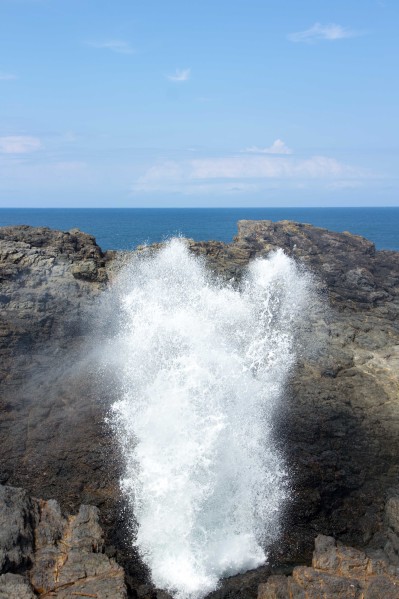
x=57 y=555
x=338 y=426
x=14 y=586
x=340 y=421
x=18 y=517
x=392 y=513
x=337 y=572
x=71 y=558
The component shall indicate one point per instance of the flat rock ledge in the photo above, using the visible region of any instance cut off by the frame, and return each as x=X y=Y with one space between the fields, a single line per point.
x=45 y=554
x=337 y=572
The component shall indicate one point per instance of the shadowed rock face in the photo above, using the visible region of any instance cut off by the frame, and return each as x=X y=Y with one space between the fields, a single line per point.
x=342 y=418
x=49 y=283
x=339 y=426
x=43 y=553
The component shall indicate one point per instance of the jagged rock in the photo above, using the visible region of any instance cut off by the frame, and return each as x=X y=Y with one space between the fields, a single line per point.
x=61 y=557
x=14 y=586
x=50 y=282
x=340 y=421
x=339 y=424
x=385 y=543
x=392 y=513
x=40 y=294
x=18 y=517
x=337 y=572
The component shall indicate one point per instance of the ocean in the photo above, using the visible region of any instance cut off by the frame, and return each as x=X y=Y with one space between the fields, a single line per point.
x=125 y=228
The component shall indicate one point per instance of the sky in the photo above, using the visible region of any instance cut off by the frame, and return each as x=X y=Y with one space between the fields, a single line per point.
x=158 y=103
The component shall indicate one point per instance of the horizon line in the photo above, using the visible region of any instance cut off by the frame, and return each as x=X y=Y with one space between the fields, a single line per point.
x=192 y=207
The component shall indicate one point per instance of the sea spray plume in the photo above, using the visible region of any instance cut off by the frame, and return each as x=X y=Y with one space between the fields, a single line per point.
x=203 y=370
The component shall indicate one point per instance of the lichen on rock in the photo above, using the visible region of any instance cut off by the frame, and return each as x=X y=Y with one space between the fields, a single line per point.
x=47 y=554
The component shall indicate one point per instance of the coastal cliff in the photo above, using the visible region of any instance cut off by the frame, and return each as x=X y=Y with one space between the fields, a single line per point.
x=338 y=428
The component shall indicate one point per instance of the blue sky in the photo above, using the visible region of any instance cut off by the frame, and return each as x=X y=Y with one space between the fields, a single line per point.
x=199 y=103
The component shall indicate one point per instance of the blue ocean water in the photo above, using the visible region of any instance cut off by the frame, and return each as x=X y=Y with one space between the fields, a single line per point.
x=123 y=229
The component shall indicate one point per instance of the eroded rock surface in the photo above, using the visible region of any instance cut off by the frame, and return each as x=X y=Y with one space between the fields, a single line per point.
x=340 y=422
x=338 y=427
x=51 y=420
x=48 y=555
x=337 y=572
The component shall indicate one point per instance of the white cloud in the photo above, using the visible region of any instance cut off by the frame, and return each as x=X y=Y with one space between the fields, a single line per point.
x=240 y=173
x=118 y=46
x=277 y=147
x=7 y=76
x=317 y=32
x=180 y=75
x=19 y=144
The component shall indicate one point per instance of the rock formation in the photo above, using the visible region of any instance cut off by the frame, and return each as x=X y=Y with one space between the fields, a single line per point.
x=49 y=283
x=43 y=553
x=342 y=417
x=337 y=572
x=339 y=427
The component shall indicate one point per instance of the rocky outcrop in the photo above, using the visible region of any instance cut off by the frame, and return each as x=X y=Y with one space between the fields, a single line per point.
x=46 y=277
x=43 y=553
x=53 y=402
x=342 y=418
x=337 y=572
x=18 y=515
x=340 y=421
x=49 y=283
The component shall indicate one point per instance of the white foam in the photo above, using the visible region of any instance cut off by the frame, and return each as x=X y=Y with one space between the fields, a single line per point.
x=203 y=370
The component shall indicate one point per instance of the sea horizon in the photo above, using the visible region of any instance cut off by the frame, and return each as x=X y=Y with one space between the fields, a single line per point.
x=126 y=227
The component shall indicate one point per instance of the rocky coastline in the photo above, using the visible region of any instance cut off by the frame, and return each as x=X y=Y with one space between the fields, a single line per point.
x=338 y=430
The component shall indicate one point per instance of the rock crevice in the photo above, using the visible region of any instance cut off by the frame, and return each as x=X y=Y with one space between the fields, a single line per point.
x=338 y=428
x=46 y=554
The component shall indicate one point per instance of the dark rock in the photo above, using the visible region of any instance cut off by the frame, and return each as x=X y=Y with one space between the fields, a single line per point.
x=18 y=518
x=392 y=513
x=338 y=426
x=245 y=586
x=52 y=439
x=59 y=556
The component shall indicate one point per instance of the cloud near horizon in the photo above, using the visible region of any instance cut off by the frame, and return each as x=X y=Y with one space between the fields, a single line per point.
x=117 y=46
x=19 y=144
x=319 y=32
x=241 y=173
x=180 y=75
x=277 y=147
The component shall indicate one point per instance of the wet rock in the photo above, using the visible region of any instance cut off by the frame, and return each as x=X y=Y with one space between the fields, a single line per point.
x=340 y=420
x=18 y=517
x=52 y=438
x=338 y=426
x=337 y=572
